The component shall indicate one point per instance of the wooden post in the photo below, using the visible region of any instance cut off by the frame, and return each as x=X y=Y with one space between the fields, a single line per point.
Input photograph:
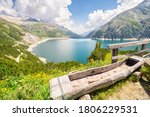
x=143 y=46
x=114 y=53
x=115 y=47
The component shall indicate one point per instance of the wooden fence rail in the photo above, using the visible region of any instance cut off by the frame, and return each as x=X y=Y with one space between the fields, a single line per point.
x=115 y=48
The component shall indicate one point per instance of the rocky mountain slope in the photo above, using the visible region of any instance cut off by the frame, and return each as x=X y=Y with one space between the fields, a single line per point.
x=48 y=30
x=134 y=23
x=41 y=29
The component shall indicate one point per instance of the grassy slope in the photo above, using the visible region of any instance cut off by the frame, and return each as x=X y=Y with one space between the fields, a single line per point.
x=9 y=68
x=43 y=30
x=47 y=30
x=10 y=33
x=35 y=85
x=29 y=79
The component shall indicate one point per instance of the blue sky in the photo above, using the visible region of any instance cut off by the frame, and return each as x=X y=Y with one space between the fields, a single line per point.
x=14 y=3
x=81 y=8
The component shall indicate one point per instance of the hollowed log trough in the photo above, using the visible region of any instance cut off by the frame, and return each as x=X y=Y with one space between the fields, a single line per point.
x=77 y=84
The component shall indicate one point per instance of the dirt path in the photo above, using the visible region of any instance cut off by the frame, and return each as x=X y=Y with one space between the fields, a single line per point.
x=18 y=58
x=130 y=91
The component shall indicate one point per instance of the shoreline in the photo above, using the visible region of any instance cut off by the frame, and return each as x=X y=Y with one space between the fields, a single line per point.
x=44 y=39
x=30 y=49
x=125 y=39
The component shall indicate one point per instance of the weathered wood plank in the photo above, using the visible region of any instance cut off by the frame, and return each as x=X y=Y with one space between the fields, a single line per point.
x=106 y=82
x=55 y=90
x=66 y=86
x=147 y=61
x=128 y=55
x=120 y=45
x=137 y=58
x=146 y=56
x=94 y=71
x=60 y=87
x=120 y=57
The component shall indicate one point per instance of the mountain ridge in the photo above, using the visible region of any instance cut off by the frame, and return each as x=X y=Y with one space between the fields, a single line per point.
x=129 y=24
x=39 y=28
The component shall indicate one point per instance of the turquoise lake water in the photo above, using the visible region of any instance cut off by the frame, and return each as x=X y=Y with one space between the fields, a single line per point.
x=71 y=50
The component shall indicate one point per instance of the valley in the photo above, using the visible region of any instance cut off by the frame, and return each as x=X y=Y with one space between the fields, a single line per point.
x=25 y=75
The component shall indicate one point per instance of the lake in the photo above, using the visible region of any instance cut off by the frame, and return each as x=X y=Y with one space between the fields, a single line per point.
x=71 y=49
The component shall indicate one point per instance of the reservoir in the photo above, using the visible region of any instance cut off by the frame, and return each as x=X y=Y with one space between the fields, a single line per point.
x=71 y=49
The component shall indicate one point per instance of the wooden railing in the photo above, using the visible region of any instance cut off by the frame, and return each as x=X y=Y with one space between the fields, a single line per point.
x=115 y=48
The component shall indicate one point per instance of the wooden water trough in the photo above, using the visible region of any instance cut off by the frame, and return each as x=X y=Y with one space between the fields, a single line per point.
x=77 y=84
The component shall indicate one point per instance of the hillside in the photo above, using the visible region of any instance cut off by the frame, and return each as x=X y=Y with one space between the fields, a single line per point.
x=22 y=74
x=134 y=23
x=10 y=35
x=48 y=30
x=11 y=45
x=24 y=77
x=39 y=28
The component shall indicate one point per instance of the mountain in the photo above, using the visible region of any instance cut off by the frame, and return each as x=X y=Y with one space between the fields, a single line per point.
x=68 y=32
x=33 y=19
x=134 y=23
x=22 y=74
x=41 y=29
x=16 y=35
x=84 y=34
x=48 y=30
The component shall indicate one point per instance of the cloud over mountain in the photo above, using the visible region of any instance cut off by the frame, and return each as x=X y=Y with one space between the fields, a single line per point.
x=100 y=17
x=56 y=11
x=47 y=10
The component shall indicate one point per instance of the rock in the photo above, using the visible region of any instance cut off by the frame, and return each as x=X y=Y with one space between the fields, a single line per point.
x=85 y=97
x=137 y=74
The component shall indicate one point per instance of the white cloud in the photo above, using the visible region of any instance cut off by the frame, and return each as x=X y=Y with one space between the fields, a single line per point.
x=46 y=10
x=56 y=11
x=6 y=7
x=100 y=17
